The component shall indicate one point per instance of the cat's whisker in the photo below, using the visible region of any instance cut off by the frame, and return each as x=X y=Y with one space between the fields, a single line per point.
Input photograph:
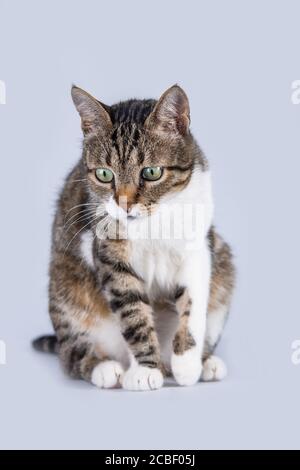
x=102 y=226
x=85 y=211
x=80 y=219
x=101 y=209
x=93 y=239
x=102 y=222
x=79 y=231
x=95 y=204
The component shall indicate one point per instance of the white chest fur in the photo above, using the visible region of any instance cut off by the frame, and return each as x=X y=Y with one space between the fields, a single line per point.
x=159 y=261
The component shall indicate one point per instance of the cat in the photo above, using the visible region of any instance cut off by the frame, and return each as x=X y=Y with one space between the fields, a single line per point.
x=128 y=311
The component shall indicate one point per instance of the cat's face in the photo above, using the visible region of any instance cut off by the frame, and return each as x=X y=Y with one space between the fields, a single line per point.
x=136 y=152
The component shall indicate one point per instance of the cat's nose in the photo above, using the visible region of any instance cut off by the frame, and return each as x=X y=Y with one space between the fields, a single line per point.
x=125 y=197
x=125 y=203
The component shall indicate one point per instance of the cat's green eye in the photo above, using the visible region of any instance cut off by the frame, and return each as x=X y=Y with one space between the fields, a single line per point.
x=104 y=175
x=152 y=173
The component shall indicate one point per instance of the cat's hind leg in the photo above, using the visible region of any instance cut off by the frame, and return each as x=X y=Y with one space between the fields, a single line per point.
x=81 y=361
x=214 y=369
x=86 y=340
x=222 y=283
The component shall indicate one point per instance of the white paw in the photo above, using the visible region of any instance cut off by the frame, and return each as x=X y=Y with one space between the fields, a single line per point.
x=107 y=374
x=213 y=369
x=142 y=378
x=187 y=367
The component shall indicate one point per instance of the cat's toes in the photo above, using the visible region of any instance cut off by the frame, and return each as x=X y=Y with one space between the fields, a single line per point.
x=107 y=374
x=214 y=369
x=187 y=367
x=142 y=378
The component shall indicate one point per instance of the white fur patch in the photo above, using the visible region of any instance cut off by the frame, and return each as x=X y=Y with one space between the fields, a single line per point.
x=107 y=374
x=214 y=369
x=166 y=324
x=114 y=210
x=157 y=263
x=108 y=337
x=215 y=324
x=86 y=248
x=141 y=378
x=187 y=367
x=159 y=260
x=195 y=276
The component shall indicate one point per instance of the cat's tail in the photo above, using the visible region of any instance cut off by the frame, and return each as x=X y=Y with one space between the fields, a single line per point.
x=46 y=343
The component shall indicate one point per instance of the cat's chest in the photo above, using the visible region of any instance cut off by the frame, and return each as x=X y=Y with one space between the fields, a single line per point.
x=158 y=263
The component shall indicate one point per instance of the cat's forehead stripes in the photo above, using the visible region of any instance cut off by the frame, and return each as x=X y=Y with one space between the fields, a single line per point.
x=131 y=112
x=125 y=139
x=128 y=118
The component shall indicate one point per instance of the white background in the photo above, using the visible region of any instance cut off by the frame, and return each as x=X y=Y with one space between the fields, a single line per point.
x=236 y=60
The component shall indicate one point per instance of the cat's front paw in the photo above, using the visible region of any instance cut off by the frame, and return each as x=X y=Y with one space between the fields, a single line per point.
x=107 y=374
x=187 y=367
x=142 y=378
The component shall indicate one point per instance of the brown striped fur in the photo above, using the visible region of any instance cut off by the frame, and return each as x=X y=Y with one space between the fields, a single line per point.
x=126 y=138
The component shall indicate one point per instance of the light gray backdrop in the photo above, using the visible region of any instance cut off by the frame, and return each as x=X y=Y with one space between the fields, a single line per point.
x=237 y=61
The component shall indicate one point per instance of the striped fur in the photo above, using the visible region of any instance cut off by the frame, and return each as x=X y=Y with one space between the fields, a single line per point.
x=107 y=313
x=47 y=343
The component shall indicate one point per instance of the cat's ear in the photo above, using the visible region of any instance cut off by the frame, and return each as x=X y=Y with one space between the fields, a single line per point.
x=171 y=114
x=94 y=116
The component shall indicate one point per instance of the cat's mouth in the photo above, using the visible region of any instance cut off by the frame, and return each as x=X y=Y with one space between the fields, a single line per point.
x=135 y=213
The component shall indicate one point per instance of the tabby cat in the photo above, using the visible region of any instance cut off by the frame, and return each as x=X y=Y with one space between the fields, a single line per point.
x=127 y=310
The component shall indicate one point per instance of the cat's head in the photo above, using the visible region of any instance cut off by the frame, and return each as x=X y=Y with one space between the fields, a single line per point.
x=137 y=152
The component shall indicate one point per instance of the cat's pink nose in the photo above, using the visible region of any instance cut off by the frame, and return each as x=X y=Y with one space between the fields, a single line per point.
x=125 y=197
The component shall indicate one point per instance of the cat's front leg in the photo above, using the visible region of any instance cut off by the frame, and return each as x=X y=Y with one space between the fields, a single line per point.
x=191 y=302
x=125 y=292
